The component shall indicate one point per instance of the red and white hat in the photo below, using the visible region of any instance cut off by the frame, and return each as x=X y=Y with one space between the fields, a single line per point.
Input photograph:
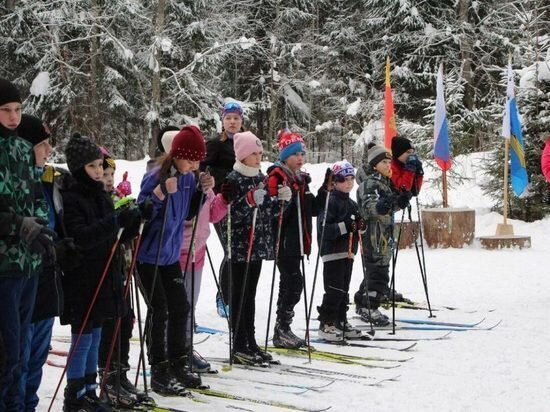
x=189 y=144
x=290 y=143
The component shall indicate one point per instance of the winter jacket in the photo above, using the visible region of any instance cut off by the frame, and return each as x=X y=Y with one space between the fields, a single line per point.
x=545 y=160
x=335 y=239
x=241 y=218
x=49 y=296
x=19 y=197
x=220 y=157
x=89 y=219
x=178 y=205
x=372 y=188
x=279 y=174
x=405 y=180
x=212 y=211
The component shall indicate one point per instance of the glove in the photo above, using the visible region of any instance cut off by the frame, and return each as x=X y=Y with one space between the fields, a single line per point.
x=284 y=193
x=361 y=224
x=43 y=245
x=414 y=165
x=385 y=204
x=31 y=227
x=351 y=225
x=146 y=209
x=403 y=199
x=328 y=180
x=129 y=219
x=255 y=197
x=227 y=190
x=68 y=257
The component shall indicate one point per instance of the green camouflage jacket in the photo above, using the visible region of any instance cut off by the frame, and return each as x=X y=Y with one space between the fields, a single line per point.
x=20 y=196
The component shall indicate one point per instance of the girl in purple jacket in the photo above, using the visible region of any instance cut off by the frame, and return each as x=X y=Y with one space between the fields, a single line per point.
x=172 y=189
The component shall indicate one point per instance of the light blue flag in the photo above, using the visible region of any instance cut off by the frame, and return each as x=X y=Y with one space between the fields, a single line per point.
x=511 y=129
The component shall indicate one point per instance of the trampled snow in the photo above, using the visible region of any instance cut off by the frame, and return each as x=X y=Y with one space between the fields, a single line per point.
x=505 y=369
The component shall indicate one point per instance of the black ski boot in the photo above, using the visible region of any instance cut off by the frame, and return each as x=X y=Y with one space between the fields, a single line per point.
x=92 y=400
x=283 y=337
x=247 y=357
x=163 y=383
x=74 y=396
x=141 y=396
x=179 y=369
x=116 y=394
x=254 y=348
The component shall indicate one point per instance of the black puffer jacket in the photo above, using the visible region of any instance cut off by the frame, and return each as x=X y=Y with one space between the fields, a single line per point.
x=88 y=219
x=336 y=237
x=220 y=157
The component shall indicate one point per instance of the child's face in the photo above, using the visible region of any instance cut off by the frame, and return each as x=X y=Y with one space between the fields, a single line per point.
x=405 y=156
x=384 y=167
x=41 y=152
x=253 y=160
x=10 y=115
x=109 y=179
x=232 y=123
x=95 y=170
x=185 y=166
x=346 y=185
x=296 y=161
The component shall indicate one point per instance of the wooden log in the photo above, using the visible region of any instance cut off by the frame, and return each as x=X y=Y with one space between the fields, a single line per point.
x=448 y=227
x=409 y=231
x=505 y=242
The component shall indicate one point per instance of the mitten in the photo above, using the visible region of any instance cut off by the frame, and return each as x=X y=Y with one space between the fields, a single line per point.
x=284 y=193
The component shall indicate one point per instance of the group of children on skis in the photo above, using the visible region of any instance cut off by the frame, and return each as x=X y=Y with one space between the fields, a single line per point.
x=53 y=222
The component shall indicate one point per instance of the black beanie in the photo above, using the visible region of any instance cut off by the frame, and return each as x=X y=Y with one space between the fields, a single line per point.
x=400 y=145
x=80 y=151
x=9 y=93
x=32 y=129
x=161 y=133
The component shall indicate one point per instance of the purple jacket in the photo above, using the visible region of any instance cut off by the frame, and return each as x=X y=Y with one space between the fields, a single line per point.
x=178 y=209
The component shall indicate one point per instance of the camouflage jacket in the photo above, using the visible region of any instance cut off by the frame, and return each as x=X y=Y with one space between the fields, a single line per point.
x=20 y=196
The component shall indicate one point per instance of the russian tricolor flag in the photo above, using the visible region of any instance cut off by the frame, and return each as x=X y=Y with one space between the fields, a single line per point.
x=441 y=129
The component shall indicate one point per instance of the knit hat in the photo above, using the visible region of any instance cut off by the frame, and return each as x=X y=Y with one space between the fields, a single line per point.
x=33 y=130
x=232 y=107
x=376 y=154
x=188 y=144
x=9 y=93
x=342 y=169
x=80 y=151
x=246 y=143
x=290 y=143
x=400 y=145
x=161 y=138
x=108 y=160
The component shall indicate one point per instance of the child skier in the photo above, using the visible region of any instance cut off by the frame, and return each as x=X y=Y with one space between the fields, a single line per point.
x=250 y=243
x=377 y=201
x=172 y=188
x=25 y=241
x=296 y=221
x=407 y=171
x=90 y=219
x=338 y=245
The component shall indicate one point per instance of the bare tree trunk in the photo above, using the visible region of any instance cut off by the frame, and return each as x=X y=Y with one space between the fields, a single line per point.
x=94 y=103
x=155 y=81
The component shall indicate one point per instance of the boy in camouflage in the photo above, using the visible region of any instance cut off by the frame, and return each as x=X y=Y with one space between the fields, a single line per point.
x=377 y=199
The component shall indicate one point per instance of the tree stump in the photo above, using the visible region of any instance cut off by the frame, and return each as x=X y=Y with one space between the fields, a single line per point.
x=505 y=242
x=448 y=227
x=409 y=231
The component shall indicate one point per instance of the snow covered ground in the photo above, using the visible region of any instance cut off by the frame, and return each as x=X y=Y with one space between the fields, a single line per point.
x=505 y=369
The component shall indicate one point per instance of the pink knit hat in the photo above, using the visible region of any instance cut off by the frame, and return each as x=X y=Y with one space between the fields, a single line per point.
x=245 y=144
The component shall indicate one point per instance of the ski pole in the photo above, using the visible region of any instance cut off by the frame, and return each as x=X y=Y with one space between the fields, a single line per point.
x=393 y=266
x=349 y=269
x=365 y=280
x=230 y=279
x=88 y=313
x=216 y=281
x=247 y=269
x=319 y=250
x=141 y=361
x=423 y=266
x=301 y=234
x=277 y=245
x=119 y=318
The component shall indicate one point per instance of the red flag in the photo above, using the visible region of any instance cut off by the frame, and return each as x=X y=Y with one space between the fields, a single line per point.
x=390 y=129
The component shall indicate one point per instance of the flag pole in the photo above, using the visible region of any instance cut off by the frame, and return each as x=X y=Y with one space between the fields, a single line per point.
x=505 y=191
x=445 y=198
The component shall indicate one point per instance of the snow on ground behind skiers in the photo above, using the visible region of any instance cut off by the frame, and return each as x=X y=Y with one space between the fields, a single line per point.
x=503 y=369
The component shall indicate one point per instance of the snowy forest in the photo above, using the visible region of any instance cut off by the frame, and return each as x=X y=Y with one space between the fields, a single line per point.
x=119 y=71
